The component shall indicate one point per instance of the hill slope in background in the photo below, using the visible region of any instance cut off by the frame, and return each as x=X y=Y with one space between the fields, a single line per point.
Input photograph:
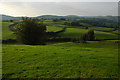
x=7 y=17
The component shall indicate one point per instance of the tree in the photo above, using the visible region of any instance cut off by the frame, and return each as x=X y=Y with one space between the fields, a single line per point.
x=91 y=35
x=31 y=32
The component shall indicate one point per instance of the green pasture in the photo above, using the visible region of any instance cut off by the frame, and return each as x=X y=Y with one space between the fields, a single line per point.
x=77 y=32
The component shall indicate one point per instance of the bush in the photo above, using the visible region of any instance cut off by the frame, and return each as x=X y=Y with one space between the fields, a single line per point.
x=31 y=32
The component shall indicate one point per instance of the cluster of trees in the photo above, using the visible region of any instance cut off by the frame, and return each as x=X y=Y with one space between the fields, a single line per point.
x=100 y=22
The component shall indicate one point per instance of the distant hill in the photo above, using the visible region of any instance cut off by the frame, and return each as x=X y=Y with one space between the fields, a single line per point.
x=48 y=17
x=6 y=17
x=72 y=17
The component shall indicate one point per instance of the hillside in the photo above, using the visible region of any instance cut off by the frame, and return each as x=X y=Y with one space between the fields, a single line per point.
x=62 y=59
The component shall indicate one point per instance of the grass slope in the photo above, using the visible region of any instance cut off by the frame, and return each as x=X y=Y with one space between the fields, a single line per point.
x=61 y=60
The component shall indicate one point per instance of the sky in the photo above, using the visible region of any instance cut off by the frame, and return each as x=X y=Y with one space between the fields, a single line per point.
x=59 y=0
x=59 y=7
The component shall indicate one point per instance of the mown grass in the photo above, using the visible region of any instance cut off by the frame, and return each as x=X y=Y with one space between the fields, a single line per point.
x=61 y=60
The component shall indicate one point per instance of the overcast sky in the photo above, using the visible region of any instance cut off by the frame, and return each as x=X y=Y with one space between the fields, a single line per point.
x=59 y=7
x=59 y=0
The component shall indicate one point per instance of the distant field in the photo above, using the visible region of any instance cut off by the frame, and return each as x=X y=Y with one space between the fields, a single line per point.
x=61 y=60
x=105 y=30
x=53 y=28
x=77 y=32
x=101 y=28
x=51 y=23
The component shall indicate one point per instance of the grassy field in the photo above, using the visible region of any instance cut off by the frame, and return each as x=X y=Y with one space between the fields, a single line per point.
x=61 y=60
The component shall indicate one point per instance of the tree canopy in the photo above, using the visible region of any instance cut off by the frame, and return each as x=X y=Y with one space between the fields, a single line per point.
x=31 y=32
